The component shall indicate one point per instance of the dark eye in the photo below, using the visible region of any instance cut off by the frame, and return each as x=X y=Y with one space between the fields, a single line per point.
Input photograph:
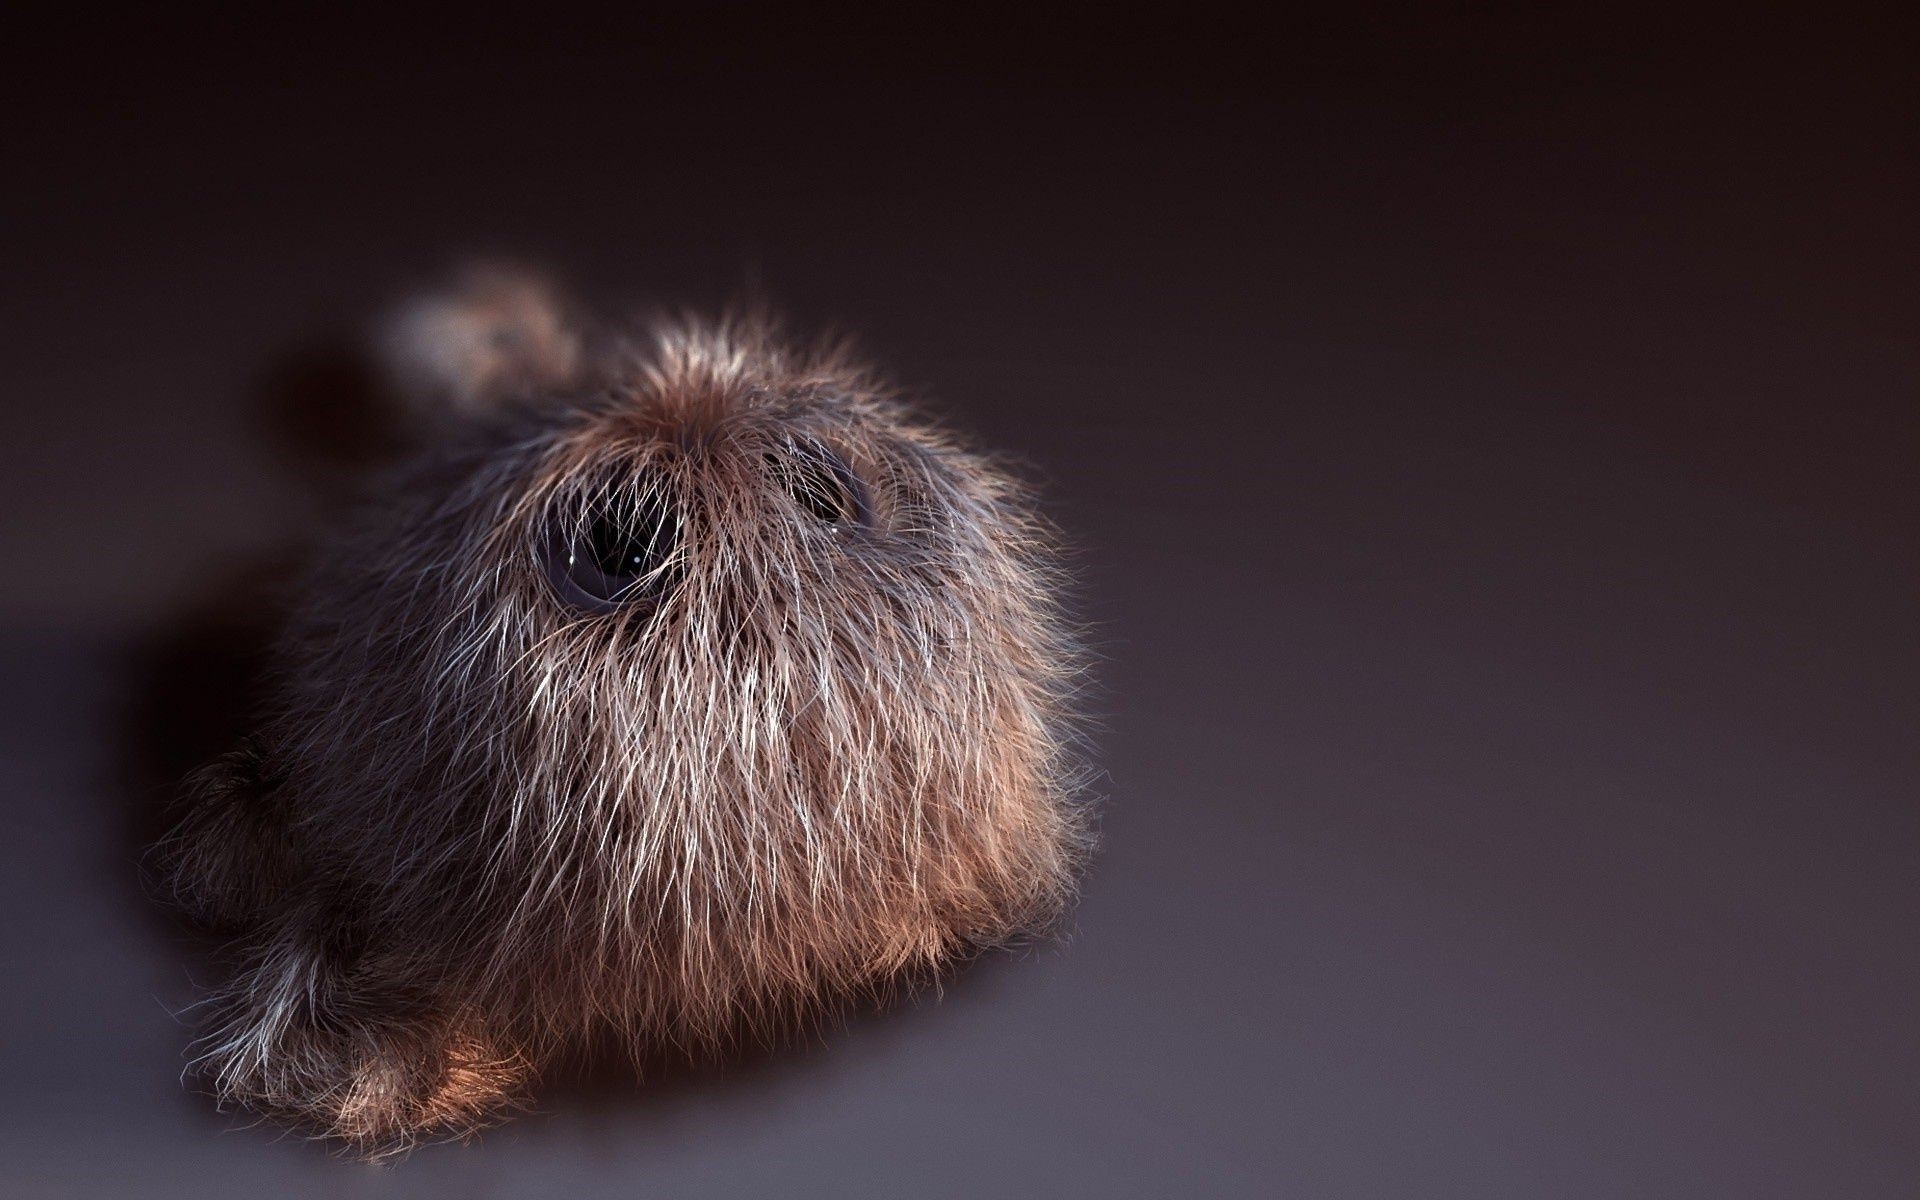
x=614 y=551
x=822 y=486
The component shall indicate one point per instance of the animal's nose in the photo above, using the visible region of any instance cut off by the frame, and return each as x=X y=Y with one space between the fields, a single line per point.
x=821 y=485
x=618 y=547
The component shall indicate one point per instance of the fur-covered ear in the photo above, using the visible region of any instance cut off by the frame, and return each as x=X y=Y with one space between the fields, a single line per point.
x=497 y=333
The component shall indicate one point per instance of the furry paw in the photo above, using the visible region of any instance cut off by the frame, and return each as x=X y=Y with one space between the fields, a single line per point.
x=379 y=1087
x=391 y=1094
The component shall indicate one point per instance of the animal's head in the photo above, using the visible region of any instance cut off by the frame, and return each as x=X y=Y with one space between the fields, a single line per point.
x=699 y=652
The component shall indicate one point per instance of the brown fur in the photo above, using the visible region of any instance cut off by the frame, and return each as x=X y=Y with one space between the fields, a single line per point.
x=823 y=748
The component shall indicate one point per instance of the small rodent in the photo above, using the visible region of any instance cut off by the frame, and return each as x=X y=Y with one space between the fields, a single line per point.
x=684 y=683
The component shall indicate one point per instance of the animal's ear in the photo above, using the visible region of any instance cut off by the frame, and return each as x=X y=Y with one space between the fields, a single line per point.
x=497 y=333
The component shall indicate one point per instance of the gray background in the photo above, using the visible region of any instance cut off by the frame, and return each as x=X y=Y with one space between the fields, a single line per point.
x=1490 y=446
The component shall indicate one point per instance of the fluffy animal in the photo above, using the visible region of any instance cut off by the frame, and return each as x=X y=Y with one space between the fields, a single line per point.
x=684 y=685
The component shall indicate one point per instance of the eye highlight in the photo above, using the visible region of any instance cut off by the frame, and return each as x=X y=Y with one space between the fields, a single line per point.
x=822 y=486
x=616 y=550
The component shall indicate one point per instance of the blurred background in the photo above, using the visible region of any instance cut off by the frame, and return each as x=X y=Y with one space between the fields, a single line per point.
x=1490 y=444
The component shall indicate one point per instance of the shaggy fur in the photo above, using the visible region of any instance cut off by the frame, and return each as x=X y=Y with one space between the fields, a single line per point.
x=820 y=746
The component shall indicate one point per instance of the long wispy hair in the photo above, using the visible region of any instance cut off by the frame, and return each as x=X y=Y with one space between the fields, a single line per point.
x=687 y=684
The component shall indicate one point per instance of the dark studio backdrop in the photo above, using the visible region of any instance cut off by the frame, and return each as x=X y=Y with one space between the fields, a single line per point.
x=1490 y=445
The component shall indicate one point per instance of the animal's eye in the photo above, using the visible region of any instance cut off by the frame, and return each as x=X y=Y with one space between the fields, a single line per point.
x=822 y=486
x=614 y=551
